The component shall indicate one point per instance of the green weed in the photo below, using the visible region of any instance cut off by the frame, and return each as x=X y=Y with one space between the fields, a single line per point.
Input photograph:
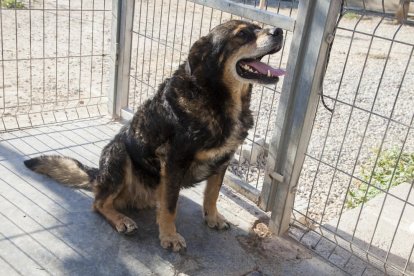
x=351 y=15
x=382 y=176
x=12 y=4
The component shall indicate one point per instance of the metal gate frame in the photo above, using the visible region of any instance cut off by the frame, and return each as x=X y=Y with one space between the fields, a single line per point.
x=312 y=35
x=297 y=109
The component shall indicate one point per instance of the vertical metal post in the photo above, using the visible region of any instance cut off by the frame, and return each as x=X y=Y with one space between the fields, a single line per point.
x=262 y=4
x=402 y=12
x=297 y=108
x=120 y=57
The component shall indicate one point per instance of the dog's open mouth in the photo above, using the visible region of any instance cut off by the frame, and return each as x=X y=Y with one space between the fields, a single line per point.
x=254 y=69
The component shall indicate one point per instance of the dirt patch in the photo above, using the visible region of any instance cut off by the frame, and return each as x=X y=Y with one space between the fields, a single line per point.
x=187 y=265
x=260 y=241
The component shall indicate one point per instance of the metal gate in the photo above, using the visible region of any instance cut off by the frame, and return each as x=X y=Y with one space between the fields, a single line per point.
x=53 y=61
x=294 y=169
x=353 y=195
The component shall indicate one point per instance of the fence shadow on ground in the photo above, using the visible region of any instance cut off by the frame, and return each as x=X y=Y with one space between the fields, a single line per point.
x=360 y=247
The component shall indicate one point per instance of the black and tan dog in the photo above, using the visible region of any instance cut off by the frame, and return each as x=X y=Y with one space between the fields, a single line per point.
x=186 y=133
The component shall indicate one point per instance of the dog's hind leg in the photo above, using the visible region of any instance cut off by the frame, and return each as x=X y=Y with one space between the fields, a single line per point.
x=110 y=182
x=211 y=215
x=119 y=221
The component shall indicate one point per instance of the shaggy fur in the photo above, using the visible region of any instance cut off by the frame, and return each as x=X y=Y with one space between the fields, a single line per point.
x=185 y=134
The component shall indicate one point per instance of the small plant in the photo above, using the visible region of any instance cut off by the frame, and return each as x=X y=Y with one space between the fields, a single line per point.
x=351 y=15
x=12 y=4
x=382 y=176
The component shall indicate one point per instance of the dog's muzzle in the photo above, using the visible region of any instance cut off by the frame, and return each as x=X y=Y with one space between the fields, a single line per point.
x=253 y=69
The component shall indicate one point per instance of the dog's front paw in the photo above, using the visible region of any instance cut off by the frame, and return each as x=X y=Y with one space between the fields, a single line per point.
x=126 y=225
x=216 y=221
x=174 y=241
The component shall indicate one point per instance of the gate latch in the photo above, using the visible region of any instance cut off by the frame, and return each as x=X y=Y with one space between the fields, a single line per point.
x=276 y=176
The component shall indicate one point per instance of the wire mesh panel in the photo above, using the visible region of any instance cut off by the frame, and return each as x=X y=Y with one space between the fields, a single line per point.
x=53 y=60
x=354 y=199
x=163 y=33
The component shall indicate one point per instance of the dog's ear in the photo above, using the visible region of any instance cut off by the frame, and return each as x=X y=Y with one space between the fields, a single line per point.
x=199 y=52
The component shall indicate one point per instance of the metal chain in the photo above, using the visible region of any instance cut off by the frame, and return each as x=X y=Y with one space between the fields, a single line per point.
x=341 y=13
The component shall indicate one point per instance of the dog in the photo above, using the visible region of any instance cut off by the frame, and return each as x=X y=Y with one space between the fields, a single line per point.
x=186 y=133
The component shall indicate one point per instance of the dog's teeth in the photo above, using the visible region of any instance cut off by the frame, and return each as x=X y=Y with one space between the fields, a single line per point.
x=247 y=68
x=268 y=73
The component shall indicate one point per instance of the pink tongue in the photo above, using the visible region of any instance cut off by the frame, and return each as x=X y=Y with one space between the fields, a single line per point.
x=263 y=68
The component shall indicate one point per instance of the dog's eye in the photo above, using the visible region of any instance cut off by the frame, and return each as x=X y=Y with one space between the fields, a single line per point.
x=242 y=34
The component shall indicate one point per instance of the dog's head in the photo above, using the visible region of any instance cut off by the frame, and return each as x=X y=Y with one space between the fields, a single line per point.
x=232 y=51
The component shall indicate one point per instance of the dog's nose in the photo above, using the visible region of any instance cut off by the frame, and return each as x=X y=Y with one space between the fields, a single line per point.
x=277 y=32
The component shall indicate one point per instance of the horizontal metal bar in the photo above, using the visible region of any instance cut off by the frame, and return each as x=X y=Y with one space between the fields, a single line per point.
x=159 y=41
x=375 y=36
x=246 y=11
x=143 y=82
x=371 y=12
x=53 y=57
x=273 y=89
x=368 y=111
x=241 y=187
x=54 y=10
x=54 y=102
x=389 y=15
x=126 y=114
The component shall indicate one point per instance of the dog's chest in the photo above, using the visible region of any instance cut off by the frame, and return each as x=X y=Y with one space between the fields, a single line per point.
x=214 y=159
x=210 y=161
x=229 y=145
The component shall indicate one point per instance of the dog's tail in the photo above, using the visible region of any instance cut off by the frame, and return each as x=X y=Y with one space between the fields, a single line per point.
x=65 y=170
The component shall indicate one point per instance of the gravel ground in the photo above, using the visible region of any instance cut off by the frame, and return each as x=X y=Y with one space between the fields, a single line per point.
x=58 y=83
x=372 y=90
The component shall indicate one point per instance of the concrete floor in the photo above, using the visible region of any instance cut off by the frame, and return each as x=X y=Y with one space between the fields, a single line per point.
x=46 y=228
x=388 y=234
